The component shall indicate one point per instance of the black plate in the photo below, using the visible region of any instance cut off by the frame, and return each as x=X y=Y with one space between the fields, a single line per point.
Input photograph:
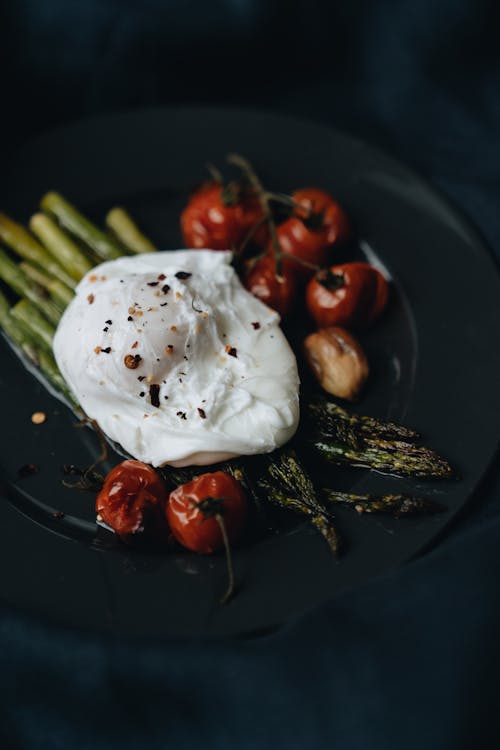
x=432 y=358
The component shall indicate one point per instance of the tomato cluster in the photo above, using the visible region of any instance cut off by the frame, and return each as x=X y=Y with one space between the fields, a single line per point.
x=351 y=295
x=134 y=500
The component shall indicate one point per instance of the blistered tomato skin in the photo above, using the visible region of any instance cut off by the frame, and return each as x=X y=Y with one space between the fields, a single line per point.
x=207 y=222
x=278 y=293
x=312 y=232
x=191 y=512
x=335 y=225
x=132 y=498
x=350 y=295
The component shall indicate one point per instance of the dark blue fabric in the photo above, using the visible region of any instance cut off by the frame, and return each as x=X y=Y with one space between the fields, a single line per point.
x=409 y=661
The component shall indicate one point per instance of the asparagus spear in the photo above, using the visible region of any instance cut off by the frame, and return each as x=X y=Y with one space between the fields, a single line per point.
x=59 y=292
x=49 y=368
x=22 y=337
x=127 y=231
x=291 y=488
x=21 y=241
x=398 y=457
x=62 y=247
x=41 y=330
x=22 y=285
x=329 y=419
x=72 y=220
x=394 y=505
x=15 y=332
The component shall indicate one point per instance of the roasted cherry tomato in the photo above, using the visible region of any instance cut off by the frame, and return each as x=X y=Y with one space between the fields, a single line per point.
x=278 y=293
x=194 y=511
x=132 y=498
x=351 y=295
x=310 y=234
x=208 y=221
x=335 y=225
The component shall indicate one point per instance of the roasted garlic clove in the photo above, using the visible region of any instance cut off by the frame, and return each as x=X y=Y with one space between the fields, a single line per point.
x=338 y=361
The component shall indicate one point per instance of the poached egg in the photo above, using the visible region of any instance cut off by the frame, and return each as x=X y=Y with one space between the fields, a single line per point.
x=176 y=361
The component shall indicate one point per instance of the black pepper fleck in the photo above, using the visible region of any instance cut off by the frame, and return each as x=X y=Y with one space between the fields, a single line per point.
x=153 y=283
x=165 y=288
x=154 y=394
x=182 y=414
x=130 y=317
x=108 y=322
x=141 y=394
x=256 y=325
x=106 y=350
x=231 y=351
x=202 y=414
x=105 y=329
x=140 y=378
x=182 y=275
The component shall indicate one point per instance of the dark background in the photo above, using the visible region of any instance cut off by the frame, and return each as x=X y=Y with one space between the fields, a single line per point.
x=410 y=661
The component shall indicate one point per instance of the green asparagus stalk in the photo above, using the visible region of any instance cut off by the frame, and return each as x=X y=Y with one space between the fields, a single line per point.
x=23 y=338
x=395 y=505
x=127 y=231
x=330 y=419
x=398 y=457
x=14 y=277
x=50 y=370
x=65 y=251
x=41 y=330
x=21 y=241
x=59 y=292
x=291 y=488
x=72 y=220
x=15 y=332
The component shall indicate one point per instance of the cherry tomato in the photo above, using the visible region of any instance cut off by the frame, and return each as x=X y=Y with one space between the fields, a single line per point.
x=351 y=295
x=132 y=498
x=278 y=293
x=192 y=511
x=335 y=225
x=309 y=237
x=207 y=222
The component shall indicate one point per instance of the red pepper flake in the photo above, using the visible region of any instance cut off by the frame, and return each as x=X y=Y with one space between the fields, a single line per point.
x=202 y=414
x=153 y=283
x=107 y=350
x=132 y=361
x=256 y=325
x=154 y=394
x=182 y=275
x=169 y=349
x=173 y=328
x=161 y=277
x=165 y=288
x=182 y=414
x=90 y=298
x=135 y=345
x=231 y=351
x=97 y=349
x=93 y=278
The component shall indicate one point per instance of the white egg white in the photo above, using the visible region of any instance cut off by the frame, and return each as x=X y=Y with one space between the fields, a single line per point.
x=214 y=378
